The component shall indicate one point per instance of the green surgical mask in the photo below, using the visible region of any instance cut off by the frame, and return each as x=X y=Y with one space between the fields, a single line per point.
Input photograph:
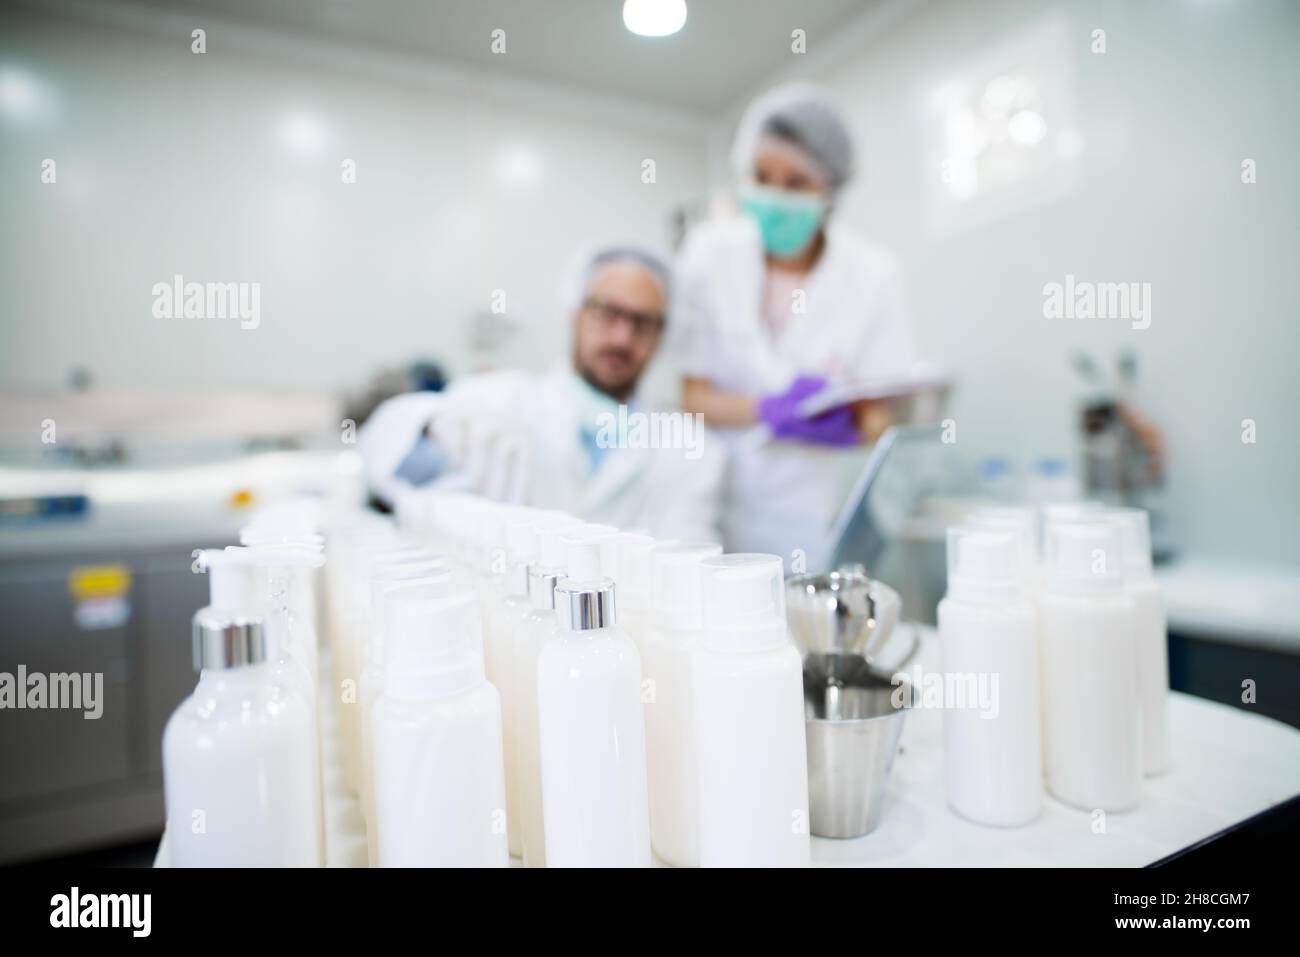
x=787 y=220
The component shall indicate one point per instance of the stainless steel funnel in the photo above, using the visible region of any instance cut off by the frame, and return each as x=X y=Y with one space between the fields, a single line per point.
x=853 y=719
x=843 y=612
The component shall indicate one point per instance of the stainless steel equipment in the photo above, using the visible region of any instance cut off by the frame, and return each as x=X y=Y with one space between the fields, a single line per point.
x=841 y=612
x=843 y=623
x=854 y=717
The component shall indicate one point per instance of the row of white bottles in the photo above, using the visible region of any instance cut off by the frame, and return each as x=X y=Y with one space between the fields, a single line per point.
x=722 y=783
x=1100 y=641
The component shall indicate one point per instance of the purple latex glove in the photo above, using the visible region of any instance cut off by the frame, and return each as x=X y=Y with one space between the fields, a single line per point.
x=781 y=414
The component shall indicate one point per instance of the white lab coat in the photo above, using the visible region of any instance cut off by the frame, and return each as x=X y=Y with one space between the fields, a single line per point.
x=780 y=497
x=516 y=436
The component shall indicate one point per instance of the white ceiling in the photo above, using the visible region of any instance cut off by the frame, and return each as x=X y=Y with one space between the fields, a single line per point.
x=726 y=48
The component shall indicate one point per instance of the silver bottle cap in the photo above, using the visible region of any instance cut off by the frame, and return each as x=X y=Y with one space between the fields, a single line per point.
x=541 y=587
x=227 y=640
x=585 y=606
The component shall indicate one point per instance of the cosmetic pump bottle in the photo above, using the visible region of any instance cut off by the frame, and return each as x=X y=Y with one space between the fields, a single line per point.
x=613 y=550
x=988 y=638
x=239 y=759
x=361 y=625
x=440 y=796
x=668 y=644
x=1092 y=744
x=1022 y=523
x=540 y=622
x=751 y=751
x=386 y=580
x=1152 y=636
x=591 y=726
x=635 y=567
x=504 y=623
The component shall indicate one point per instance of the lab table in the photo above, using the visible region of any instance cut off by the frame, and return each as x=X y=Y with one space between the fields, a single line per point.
x=1225 y=765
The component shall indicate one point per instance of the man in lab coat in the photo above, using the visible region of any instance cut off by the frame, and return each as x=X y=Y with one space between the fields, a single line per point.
x=575 y=438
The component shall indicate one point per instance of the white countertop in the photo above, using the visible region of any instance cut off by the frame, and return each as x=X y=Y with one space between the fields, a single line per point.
x=1225 y=766
x=1234 y=602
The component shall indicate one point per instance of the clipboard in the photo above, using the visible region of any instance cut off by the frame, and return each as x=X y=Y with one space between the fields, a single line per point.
x=884 y=387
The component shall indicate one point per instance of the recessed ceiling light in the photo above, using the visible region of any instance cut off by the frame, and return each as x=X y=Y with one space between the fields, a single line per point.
x=654 y=18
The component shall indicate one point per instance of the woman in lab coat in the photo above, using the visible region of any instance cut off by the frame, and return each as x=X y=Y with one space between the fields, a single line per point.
x=774 y=306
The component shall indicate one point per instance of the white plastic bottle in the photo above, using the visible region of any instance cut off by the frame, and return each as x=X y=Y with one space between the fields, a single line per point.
x=1152 y=636
x=239 y=756
x=1092 y=755
x=351 y=650
x=749 y=720
x=591 y=727
x=504 y=623
x=634 y=573
x=988 y=636
x=614 y=560
x=387 y=579
x=668 y=643
x=542 y=578
x=440 y=792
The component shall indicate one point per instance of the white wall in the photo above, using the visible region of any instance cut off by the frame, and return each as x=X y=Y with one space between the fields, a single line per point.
x=170 y=162
x=1185 y=91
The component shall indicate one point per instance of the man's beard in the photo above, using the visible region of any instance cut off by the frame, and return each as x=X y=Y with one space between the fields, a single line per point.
x=618 y=391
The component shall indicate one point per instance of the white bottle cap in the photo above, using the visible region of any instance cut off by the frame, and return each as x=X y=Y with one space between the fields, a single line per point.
x=551 y=559
x=388 y=581
x=612 y=549
x=1135 y=540
x=233 y=582
x=1023 y=522
x=552 y=553
x=434 y=644
x=636 y=565
x=582 y=551
x=286 y=555
x=744 y=601
x=391 y=574
x=985 y=564
x=1065 y=512
x=677 y=589
x=263 y=535
x=1083 y=556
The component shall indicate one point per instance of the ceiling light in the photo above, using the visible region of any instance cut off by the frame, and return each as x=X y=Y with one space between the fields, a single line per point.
x=654 y=18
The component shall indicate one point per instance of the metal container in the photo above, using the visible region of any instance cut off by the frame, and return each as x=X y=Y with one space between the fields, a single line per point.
x=843 y=612
x=854 y=717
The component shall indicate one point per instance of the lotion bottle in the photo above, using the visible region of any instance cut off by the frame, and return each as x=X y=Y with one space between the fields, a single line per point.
x=386 y=579
x=1152 y=636
x=504 y=623
x=668 y=644
x=542 y=578
x=591 y=726
x=239 y=756
x=988 y=637
x=749 y=720
x=1092 y=744
x=440 y=796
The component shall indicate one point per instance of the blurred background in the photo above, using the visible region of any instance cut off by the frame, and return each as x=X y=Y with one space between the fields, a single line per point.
x=387 y=170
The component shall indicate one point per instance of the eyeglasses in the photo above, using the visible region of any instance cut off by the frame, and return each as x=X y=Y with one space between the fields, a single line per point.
x=645 y=325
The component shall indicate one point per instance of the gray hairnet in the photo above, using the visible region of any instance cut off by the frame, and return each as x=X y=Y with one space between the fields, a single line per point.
x=592 y=263
x=801 y=114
